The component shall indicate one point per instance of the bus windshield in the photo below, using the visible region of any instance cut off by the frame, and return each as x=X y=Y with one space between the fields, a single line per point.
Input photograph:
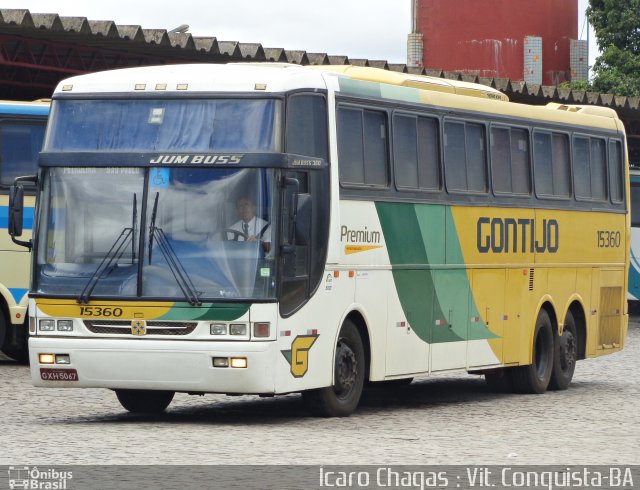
x=193 y=234
x=211 y=125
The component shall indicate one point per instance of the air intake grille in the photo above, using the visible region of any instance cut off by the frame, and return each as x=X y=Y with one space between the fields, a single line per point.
x=122 y=327
x=531 y=278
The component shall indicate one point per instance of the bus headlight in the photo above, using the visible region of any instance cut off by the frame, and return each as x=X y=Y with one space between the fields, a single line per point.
x=238 y=329
x=65 y=325
x=218 y=329
x=47 y=325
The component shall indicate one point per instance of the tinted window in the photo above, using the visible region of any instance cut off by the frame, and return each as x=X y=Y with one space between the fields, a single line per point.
x=362 y=146
x=520 y=162
x=350 y=146
x=581 y=173
x=375 y=148
x=510 y=160
x=551 y=164
x=476 y=173
x=501 y=159
x=416 y=158
x=454 y=156
x=20 y=143
x=307 y=125
x=598 y=169
x=615 y=171
x=635 y=204
x=464 y=154
x=589 y=168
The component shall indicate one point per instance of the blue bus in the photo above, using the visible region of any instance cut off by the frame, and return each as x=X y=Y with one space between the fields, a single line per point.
x=22 y=127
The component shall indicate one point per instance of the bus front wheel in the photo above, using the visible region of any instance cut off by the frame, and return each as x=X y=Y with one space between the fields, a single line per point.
x=144 y=401
x=535 y=377
x=15 y=342
x=341 y=399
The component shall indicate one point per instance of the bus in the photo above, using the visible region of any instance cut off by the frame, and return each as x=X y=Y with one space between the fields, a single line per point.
x=634 y=269
x=22 y=126
x=413 y=226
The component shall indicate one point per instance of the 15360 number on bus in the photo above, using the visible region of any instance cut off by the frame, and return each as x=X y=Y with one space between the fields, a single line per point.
x=100 y=311
x=608 y=239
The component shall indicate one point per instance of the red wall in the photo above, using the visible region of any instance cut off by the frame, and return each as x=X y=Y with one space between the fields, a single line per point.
x=485 y=37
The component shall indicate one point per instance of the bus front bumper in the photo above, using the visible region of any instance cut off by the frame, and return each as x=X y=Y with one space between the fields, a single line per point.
x=146 y=364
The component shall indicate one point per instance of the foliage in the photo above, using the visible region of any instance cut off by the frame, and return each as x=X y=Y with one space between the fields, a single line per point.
x=577 y=85
x=617 y=26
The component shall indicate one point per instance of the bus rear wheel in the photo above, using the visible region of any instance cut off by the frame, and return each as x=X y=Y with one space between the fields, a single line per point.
x=341 y=399
x=535 y=377
x=144 y=401
x=566 y=354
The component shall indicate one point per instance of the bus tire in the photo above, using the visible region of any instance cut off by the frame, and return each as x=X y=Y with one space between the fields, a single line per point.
x=566 y=354
x=16 y=343
x=144 y=401
x=341 y=399
x=535 y=377
x=3 y=329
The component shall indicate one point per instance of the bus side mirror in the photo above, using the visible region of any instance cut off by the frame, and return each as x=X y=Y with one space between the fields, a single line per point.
x=303 y=221
x=16 y=211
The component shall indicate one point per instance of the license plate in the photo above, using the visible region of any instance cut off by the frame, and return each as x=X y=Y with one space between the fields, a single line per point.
x=48 y=374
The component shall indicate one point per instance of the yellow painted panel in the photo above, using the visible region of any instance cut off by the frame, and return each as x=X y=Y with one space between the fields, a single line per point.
x=488 y=286
x=103 y=309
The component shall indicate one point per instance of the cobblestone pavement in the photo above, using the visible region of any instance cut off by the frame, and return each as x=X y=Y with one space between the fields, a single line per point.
x=450 y=419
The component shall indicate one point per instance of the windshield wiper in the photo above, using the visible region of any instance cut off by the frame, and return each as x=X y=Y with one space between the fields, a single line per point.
x=115 y=252
x=175 y=266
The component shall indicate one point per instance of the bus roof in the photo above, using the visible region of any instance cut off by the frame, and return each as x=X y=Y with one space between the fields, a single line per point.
x=231 y=77
x=415 y=81
x=22 y=108
x=354 y=80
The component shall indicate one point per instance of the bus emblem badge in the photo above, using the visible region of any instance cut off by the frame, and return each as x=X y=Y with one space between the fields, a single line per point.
x=298 y=356
x=138 y=327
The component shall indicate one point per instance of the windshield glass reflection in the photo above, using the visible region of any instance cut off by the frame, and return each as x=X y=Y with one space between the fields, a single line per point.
x=202 y=234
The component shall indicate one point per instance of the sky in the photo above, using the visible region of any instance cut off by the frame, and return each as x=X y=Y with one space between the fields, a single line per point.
x=372 y=29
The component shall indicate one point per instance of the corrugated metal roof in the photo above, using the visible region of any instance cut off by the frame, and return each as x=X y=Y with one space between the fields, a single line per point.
x=159 y=44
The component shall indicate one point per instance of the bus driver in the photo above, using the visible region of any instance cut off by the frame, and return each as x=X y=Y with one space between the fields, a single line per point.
x=250 y=227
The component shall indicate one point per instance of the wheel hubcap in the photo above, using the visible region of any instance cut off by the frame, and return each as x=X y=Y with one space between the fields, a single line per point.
x=567 y=351
x=346 y=369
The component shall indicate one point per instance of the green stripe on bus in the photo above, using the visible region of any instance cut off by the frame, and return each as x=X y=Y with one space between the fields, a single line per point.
x=358 y=87
x=208 y=311
x=433 y=300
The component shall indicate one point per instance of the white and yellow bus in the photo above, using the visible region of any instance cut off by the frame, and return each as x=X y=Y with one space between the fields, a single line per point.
x=22 y=126
x=397 y=226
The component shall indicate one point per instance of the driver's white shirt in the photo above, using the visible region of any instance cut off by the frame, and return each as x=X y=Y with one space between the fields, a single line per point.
x=255 y=226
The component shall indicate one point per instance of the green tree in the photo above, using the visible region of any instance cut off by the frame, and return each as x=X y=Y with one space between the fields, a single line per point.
x=617 y=26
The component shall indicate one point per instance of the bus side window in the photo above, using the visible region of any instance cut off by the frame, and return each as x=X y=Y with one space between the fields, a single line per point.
x=20 y=143
x=465 y=157
x=416 y=152
x=551 y=164
x=615 y=171
x=307 y=125
x=362 y=147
